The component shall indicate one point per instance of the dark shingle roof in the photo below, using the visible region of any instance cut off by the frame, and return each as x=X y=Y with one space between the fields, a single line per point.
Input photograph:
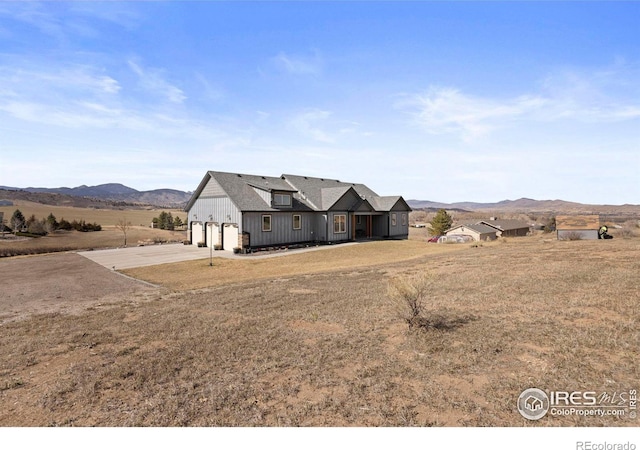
x=477 y=227
x=309 y=193
x=505 y=225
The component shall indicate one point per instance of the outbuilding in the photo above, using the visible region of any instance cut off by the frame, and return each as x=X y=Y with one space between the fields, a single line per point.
x=575 y=227
x=478 y=231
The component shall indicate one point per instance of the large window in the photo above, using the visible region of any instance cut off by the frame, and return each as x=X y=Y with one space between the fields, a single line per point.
x=281 y=199
x=297 y=222
x=393 y=219
x=340 y=223
x=266 y=222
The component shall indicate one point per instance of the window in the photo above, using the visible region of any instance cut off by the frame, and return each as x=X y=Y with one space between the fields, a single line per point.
x=393 y=219
x=266 y=222
x=281 y=199
x=404 y=218
x=297 y=222
x=358 y=220
x=340 y=223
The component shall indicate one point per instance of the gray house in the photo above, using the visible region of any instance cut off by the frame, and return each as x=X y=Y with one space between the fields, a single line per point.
x=478 y=231
x=508 y=228
x=252 y=211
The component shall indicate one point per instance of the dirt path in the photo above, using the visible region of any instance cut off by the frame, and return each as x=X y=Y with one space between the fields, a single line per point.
x=61 y=282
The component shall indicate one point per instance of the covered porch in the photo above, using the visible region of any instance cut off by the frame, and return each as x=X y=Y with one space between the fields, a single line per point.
x=368 y=225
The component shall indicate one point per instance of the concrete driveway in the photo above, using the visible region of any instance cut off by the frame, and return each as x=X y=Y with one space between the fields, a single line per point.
x=126 y=258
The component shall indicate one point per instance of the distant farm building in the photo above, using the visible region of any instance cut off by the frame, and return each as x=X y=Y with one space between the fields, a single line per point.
x=477 y=231
x=488 y=230
x=508 y=228
x=577 y=227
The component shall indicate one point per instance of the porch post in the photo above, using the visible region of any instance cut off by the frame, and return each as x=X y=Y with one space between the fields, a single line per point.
x=353 y=227
x=369 y=226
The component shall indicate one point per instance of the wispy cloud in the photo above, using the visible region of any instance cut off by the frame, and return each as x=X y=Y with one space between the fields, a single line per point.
x=298 y=65
x=66 y=20
x=446 y=110
x=152 y=80
x=309 y=124
x=84 y=97
x=566 y=95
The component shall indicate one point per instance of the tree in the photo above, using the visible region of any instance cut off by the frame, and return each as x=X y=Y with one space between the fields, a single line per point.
x=123 y=225
x=17 y=221
x=550 y=225
x=36 y=227
x=165 y=221
x=50 y=223
x=177 y=222
x=441 y=222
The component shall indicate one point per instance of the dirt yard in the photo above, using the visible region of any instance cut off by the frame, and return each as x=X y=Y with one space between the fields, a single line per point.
x=63 y=283
x=80 y=345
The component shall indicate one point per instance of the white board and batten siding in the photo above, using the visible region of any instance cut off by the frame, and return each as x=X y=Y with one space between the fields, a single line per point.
x=213 y=205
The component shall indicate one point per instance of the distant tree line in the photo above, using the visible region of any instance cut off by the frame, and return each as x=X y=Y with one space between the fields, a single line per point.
x=165 y=221
x=18 y=223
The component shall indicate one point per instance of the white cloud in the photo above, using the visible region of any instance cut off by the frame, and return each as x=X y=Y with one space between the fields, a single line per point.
x=603 y=96
x=308 y=124
x=447 y=110
x=153 y=81
x=298 y=65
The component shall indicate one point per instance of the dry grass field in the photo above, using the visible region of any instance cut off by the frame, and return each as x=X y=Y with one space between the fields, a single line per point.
x=108 y=237
x=314 y=340
x=104 y=217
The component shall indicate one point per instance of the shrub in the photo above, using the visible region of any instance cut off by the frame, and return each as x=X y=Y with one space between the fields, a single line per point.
x=408 y=296
x=84 y=227
x=572 y=236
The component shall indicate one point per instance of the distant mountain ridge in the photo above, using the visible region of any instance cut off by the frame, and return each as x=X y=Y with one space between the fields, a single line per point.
x=116 y=192
x=173 y=198
x=525 y=205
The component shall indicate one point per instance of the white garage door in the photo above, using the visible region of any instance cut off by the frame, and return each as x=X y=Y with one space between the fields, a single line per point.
x=196 y=233
x=230 y=236
x=213 y=235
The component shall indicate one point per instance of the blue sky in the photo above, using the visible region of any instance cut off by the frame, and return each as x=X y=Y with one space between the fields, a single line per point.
x=446 y=101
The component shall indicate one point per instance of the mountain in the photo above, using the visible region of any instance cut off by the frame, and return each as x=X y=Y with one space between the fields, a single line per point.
x=115 y=192
x=526 y=205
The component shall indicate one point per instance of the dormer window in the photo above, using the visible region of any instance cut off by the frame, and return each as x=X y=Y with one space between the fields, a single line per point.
x=281 y=199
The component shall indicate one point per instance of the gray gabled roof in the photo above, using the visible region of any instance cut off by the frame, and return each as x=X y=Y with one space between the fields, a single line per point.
x=506 y=224
x=477 y=227
x=309 y=193
x=329 y=196
x=240 y=188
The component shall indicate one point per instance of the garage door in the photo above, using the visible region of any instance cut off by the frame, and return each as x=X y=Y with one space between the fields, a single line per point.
x=213 y=235
x=196 y=233
x=230 y=236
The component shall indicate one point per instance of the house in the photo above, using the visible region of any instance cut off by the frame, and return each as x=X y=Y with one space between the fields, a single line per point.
x=478 y=231
x=572 y=227
x=508 y=228
x=251 y=211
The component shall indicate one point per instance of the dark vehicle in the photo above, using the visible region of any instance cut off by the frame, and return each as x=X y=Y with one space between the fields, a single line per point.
x=434 y=239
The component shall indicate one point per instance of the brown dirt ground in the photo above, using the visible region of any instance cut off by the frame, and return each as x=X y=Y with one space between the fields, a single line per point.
x=64 y=283
x=82 y=346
